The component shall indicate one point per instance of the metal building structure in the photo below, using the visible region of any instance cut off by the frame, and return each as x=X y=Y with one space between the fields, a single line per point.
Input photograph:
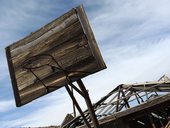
x=139 y=105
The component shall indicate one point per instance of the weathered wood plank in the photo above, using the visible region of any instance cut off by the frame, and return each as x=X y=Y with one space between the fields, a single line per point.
x=39 y=40
x=33 y=36
x=66 y=39
x=163 y=87
x=12 y=75
x=62 y=50
x=28 y=78
x=66 y=60
x=138 y=111
x=143 y=107
x=54 y=41
x=90 y=36
x=58 y=79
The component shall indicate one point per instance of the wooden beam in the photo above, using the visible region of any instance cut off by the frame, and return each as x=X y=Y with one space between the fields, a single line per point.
x=89 y=104
x=142 y=107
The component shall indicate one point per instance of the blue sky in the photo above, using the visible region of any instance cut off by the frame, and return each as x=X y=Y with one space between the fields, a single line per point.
x=133 y=36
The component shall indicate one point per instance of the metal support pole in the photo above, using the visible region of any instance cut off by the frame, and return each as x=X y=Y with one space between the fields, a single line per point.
x=137 y=98
x=125 y=100
x=89 y=104
x=77 y=106
x=118 y=100
x=74 y=109
x=151 y=121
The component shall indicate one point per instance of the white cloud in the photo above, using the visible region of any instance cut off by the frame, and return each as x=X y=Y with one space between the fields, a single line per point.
x=131 y=21
x=51 y=111
x=6 y=105
x=134 y=40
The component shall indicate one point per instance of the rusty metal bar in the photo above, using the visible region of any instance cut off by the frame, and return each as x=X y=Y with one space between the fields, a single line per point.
x=74 y=87
x=89 y=104
x=109 y=103
x=151 y=121
x=125 y=100
x=118 y=98
x=74 y=109
x=137 y=99
x=147 y=97
x=140 y=97
x=77 y=106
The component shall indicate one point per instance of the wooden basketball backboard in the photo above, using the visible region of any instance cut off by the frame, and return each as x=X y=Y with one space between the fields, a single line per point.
x=41 y=62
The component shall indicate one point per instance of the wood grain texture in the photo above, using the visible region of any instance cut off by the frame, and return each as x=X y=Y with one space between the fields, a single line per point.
x=71 y=43
x=13 y=78
x=90 y=36
x=57 y=80
x=41 y=31
x=66 y=55
x=132 y=113
x=35 y=48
